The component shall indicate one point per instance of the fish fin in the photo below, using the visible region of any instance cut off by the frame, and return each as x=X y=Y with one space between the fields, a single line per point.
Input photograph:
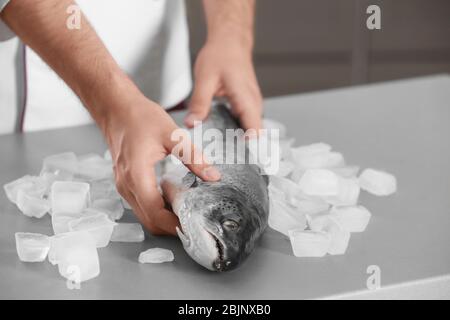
x=190 y=180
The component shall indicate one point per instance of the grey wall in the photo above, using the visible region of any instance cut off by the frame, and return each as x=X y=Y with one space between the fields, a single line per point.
x=306 y=45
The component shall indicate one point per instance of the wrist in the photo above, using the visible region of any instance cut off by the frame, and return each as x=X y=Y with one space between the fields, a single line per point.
x=234 y=36
x=110 y=98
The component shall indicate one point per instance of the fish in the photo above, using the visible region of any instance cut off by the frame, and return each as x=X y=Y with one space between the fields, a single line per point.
x=220 y=221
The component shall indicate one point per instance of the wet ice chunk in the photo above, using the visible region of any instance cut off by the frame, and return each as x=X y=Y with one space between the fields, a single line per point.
x=377 y=182
x=60 y=221
x=125 y=204
x=94 y=167
x=285 y=187
x=352 y=219
x=99 y=226
x=310 y=206
x=321 y=160
x=76 y=256
x=319 y=182
x=112 y=207
x=107 y=155
x=284 y=168
x=156 y=255
x=69 y=197
x=309 y=243
x=310 y=149
x=32 y=204
x=24 y=183
x=32 y=247
x=339 y=236
x=284 y=217
x=271 y=124
x=103 y=189
x=128 y=232
x=348 y=193
x=61 y=166
x=347 y=171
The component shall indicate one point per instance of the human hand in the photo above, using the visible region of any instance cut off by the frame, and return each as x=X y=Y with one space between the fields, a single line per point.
x=224 y=68
x=139 y=136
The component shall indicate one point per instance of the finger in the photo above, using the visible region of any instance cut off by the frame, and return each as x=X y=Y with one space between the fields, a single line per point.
x=200 y=104
x=192 y=157
x=247 y=106
x=151 y=203
x=125 y=192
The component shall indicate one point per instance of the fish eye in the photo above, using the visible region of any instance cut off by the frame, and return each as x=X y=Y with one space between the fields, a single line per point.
x=231 y=225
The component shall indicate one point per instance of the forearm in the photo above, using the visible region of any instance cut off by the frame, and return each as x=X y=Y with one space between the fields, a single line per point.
x=230 y=20
x=78 y=56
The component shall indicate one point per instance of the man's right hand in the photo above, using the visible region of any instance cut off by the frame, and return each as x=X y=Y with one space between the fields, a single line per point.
x=139 y=133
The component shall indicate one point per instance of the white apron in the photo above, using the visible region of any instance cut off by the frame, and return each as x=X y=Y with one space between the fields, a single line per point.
x=148 y=39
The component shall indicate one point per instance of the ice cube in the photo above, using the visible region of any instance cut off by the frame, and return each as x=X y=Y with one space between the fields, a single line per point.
x=93 y=167
x=128 y=232
x=112 y=207
x=76 y=256
x=107 y=155
x=60 y=221
x=24 y=183
x=32 y=204
x=297 y=174
x=100 y=227
x=310 y=206
x=270 y=124
x=321 y=160
x=286 y=149
x=125 y=204
x=284 y=168
x=306 y=243
x=378 y=182
x=310 y=149
x=284 y=186
x=61 y=166
x=319 y=182
x=352 y=219
x=348 y=193
x=339 y=236
x=346 y=172
x=156 y=255
x=32 y=247
x=283 y=217
x=69 y=197
x=102 y=189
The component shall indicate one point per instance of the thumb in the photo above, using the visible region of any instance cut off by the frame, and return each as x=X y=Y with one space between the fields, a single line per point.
x=201 y=167
x=200 y=103
x=181 y=146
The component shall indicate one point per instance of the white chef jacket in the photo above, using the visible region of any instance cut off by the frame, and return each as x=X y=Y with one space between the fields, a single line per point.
x=147 y=38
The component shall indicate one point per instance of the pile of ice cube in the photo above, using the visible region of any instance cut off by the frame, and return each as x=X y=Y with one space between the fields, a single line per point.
x=80 y=195
x=314 y=196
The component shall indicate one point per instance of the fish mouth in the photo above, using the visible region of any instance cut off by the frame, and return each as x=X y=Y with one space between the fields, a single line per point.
x=217 y=261
x=220 y=263
x=219 y=246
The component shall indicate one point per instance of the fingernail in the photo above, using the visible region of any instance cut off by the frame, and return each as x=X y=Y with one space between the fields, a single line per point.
x=211 y=173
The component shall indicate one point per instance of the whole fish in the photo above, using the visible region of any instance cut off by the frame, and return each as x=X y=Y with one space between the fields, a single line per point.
x=220 y=221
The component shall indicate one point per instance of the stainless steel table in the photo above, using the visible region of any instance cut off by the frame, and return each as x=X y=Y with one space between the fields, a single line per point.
x=401 y=126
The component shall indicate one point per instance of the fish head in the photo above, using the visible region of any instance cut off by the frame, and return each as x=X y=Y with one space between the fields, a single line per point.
x=219 y=225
